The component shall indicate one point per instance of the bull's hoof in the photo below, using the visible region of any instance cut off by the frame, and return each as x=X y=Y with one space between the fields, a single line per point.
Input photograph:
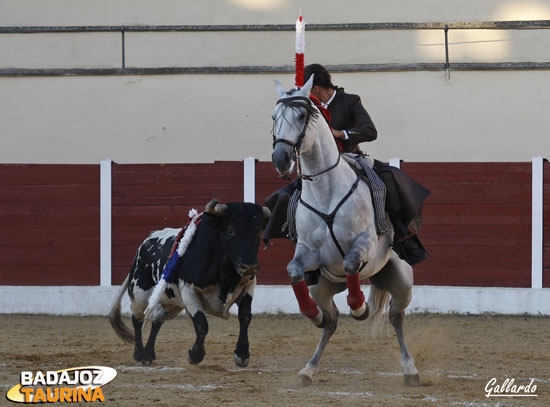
x=149 y=356
x=139 y=356
x=304 y=380
x=195 y=356
x=239 y=361
x=361 y=313
x=412 y=380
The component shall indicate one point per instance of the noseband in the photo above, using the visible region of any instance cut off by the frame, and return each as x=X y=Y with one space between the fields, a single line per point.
x=298 y=144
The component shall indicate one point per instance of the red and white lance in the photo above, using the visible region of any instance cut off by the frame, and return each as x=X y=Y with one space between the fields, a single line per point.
x=299 y=61
x=300 y=48
x=356 y=298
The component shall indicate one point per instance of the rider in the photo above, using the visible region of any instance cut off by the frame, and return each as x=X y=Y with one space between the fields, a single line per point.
x=351 y=125
x=350 y=122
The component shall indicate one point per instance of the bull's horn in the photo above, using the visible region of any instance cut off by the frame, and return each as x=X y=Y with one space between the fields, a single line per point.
x=267 y=212
x=215 y=208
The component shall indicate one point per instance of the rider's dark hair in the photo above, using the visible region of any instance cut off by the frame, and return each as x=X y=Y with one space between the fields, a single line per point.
x=321 y=78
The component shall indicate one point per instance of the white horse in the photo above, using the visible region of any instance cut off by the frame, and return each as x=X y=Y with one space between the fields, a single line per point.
x=336 y=230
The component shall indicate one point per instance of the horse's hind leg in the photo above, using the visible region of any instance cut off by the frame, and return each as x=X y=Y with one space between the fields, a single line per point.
x=323 y=294
x=397 y=278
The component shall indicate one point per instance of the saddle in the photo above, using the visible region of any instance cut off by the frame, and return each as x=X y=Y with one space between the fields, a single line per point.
x=283 y=204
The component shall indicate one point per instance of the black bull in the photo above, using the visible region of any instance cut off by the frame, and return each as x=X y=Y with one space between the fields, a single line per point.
x=217 y=270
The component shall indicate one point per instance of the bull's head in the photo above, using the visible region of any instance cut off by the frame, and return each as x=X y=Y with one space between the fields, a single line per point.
x=241 y=225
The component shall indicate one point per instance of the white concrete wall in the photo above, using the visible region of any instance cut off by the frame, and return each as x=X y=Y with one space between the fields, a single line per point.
x=70 y=300
x=113 y=12
x=166 y=49
x=476 y=116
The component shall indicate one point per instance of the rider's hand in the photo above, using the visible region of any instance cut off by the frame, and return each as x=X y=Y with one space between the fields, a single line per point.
x=338 y=133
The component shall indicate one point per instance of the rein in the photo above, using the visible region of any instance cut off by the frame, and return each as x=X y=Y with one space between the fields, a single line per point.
x=297 y=145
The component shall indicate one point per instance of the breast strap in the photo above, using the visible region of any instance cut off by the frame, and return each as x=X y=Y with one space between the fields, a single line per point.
x=329 y=219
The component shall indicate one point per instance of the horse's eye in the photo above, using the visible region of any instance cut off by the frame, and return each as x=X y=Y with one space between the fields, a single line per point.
x=302 y=116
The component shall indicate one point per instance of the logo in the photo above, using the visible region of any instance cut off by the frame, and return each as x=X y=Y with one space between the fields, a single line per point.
x=74 y=385
x=509 y=388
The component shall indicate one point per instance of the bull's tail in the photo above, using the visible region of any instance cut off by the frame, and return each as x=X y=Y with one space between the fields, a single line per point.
x=115 y=315
x=379 y=305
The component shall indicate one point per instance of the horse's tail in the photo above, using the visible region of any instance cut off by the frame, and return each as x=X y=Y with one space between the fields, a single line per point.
x=115 y=315
x=379 y=301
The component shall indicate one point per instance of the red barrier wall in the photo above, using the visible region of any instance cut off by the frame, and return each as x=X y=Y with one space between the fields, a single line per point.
x=49 y=224
x=477 y=222
x=148 y=197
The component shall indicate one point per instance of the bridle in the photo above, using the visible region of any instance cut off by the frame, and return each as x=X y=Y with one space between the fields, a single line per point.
x=298 y=144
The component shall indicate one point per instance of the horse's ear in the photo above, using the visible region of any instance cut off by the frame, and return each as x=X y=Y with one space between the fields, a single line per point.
x=306 y=89
x=280 y=89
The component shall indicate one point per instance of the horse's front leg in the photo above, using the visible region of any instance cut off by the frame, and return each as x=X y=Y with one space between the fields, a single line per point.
x=363 y=250
x=304 y=260
x=323 y=292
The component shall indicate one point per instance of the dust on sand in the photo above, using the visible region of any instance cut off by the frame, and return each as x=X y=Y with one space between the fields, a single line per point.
x=455 y=355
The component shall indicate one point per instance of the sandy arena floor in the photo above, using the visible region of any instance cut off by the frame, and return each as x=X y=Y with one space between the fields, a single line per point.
x=456 y=356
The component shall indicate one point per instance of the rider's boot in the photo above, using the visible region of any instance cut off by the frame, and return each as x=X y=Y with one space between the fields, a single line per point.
x=307 y=305
x=414 y=251
x=356 y=298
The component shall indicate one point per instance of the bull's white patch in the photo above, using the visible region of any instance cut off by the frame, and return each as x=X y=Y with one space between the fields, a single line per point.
x=164 y=234
x=74 y=385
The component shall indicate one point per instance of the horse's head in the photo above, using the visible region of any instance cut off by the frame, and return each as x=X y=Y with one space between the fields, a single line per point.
x=292 y=118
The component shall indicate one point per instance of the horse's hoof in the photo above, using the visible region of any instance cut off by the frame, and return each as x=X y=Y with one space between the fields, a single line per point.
x=241 y=362
x=361 y=313
x=412 y=380
x=304 y=380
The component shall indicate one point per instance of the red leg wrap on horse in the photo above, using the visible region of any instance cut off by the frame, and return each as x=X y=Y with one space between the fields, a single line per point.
x=307 y=305
x=355 y=295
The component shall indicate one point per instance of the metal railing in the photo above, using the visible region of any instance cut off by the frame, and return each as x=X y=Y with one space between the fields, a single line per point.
x=388 y=67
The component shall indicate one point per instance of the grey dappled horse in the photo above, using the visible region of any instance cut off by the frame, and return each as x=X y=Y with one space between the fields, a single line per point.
x=336 y=230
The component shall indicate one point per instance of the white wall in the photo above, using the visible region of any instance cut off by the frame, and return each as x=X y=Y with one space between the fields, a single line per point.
x=107 y=12
x=476 y=116
x=275 y=299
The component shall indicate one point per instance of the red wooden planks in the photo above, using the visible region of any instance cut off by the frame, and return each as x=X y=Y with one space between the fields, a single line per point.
x=49 y=224
x=477 y=223
x=149 y=197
